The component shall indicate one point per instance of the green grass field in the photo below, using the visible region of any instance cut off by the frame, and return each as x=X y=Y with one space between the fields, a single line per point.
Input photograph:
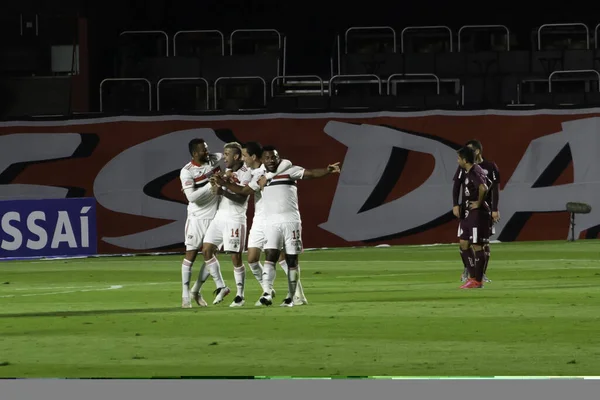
x=393 y=311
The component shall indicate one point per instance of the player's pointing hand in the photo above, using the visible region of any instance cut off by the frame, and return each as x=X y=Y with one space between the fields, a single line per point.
x=334 y=168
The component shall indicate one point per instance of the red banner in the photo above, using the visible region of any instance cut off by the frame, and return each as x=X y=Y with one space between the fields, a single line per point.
x=395 y=186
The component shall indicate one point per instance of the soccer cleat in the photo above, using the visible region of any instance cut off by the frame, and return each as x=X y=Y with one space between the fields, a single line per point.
x=199 y=300
x=298 y=301
x=486 y=279
x=238 y=301
x=266 y=299
x=186 y=303
x=220 y=294
x=288 y=302
x=472 y=284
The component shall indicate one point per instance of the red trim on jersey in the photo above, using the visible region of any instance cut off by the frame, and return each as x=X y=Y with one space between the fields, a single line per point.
x=197 y=165
x=281 y=176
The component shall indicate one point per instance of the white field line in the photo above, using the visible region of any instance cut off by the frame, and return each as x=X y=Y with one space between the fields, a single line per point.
x=77 y=289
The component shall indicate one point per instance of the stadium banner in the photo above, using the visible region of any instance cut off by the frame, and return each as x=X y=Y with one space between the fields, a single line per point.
x=47 y=228
x=395 y=186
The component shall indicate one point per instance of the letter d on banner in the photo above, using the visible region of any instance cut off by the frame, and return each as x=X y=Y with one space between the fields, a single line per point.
x=47 y=228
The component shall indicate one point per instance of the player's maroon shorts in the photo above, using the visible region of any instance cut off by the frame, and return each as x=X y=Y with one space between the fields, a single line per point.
x=476 y=227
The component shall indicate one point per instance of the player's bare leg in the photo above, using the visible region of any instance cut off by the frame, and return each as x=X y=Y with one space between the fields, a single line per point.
x=299 y=297
x=239 y=273
x=186 y=275
x=209 y=252
x=487 y=252
x=269 y=274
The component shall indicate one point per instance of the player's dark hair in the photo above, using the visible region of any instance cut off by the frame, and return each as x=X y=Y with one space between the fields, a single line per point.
x=476 y=144
x=234 y=146
x=467 y=154
x=254 y=149
x=269 y=148
x=193 y=143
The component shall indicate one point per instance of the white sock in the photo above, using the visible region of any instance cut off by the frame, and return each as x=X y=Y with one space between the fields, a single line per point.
x=203 y=275
x=299 y=289
x=186 y=276
x=239 y=273
x=215 y=271
x=257 y=271
x=293 y=276
x=284 y=266
x=269 y=274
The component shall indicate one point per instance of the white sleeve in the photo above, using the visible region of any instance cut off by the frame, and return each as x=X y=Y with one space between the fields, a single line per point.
x=187 y=180
x=246 y=178
x=198 y=195
x=296 y=172
x=253 y=184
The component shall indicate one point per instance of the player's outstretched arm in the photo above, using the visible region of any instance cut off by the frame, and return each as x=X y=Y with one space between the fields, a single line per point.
x=321 y=172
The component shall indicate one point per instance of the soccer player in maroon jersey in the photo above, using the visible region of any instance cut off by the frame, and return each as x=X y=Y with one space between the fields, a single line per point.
x=493 y=175
x=474 y=228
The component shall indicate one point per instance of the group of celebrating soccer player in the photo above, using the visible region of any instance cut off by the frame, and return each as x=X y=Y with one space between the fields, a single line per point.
x=218 y=186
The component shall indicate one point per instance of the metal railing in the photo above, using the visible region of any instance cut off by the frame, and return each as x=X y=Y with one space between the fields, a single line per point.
x=253 y=30
x=574 y=71
x=425 y=28
x=337 y=77
x=200 y=31
x=370 y=28
x=163 y=33
x=572 y=25
x=277 y=78
x=504 y=27
x=393 y=77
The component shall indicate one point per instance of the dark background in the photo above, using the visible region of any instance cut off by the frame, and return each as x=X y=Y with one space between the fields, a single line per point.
x=310 y=26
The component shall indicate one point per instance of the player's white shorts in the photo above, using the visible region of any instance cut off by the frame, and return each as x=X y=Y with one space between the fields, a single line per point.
x=257 y=236
x=195 y=231
x=285 y=236
x=230 y=235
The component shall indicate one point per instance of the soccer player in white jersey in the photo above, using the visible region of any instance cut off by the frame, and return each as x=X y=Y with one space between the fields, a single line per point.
x=201 y=209
x=252 y=155
x=283 y=228
x=228 y=228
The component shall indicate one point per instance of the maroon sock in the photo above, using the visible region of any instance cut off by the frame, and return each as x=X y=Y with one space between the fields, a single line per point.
x=487 y=258
x=479 y=265
x=468 y=260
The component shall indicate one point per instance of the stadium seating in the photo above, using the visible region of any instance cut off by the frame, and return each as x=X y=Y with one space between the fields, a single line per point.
x=416 y=67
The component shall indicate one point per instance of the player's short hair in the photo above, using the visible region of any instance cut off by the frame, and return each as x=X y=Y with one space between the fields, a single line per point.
x=234 y=146
x=254 y=149
x=476 y=144
x=193 y=143
x=467 y=154
x=269 y=148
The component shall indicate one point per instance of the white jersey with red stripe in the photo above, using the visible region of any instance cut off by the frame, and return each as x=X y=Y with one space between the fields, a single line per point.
x=230 y=210
x=257 y=173
x=197 y=177
x=259 y=213
x=280 y=195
